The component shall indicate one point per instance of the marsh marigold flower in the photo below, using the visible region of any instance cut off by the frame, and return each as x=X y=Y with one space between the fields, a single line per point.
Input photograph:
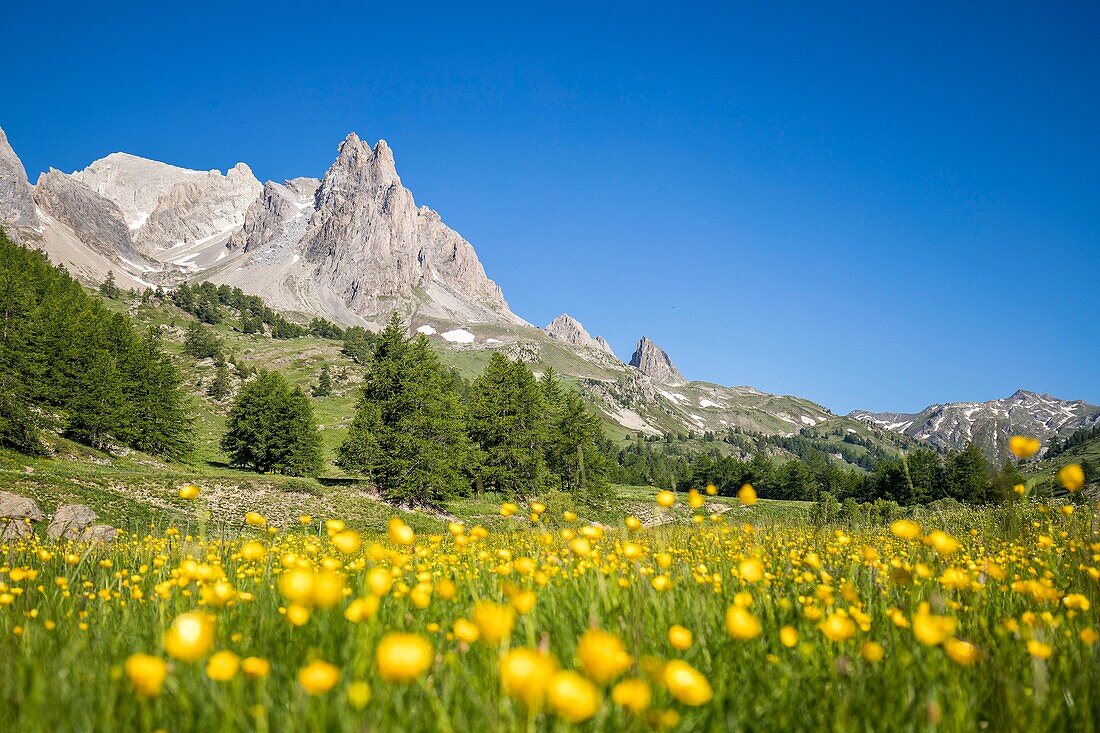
x=190 y=636
x=494 y=621
x=189 y=491
x=318 y=677
x=222 y=666
x=403 y=657
x=837 y=627
x=871 y=651
x=680 y=637
x=931 y=629
x=602 y=655
x=962 y=653
x=906 y=529
x=399 y=532
x=1072 y=477
x=665 y=498
x=747 y=495
x=788 y=636
x=1023 y=446
x=147 y=673
x=741 y=624
x=633 y=694
x=686 y=683
x=1038 y=649
x=255 y=519
x=255 y=668
x=573 y=698
x=525 y=674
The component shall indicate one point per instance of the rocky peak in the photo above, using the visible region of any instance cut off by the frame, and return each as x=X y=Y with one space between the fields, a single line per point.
x=269 y=214
x=568 y=329
x=16 y=201
x=95 y=219
x=133 y=183
x=369 y=241
x=652 y=361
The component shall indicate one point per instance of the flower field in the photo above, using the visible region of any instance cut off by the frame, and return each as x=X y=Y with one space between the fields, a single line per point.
x=980 y=619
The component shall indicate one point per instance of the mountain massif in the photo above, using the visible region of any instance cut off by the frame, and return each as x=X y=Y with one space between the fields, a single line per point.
x=353 y=246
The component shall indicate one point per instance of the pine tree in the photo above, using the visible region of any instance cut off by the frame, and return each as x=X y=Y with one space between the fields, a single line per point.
x=200 y=342
x=573 y=451
x=271 y=428
x=221 y=386
x=108 y=288
x=407 y=436
x=323 y=388
x=98 y=404
x=507 y=422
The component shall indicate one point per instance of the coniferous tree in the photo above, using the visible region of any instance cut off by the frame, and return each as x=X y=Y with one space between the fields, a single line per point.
x=108 y=288
x=407 y=436
x=200 y=342
x=574 y=455
x=323 y=388
x=98 y=405
x=220 y=386
x=507 y=422
x=271 y=428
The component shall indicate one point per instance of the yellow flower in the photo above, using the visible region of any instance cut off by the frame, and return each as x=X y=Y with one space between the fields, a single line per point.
x=1072 y=477
x=573 y=698
x=525 y=675
x=837 y=627
x=297 y=585
x=347 y=541
x=1077 y=601
x=494 y=621
x=602 y=655
x=1089 y=636
x=943 y=543
x=747 y=495
x=403 y=657
x=871 y=651
x=1023 y=446
x=633 y=694
x=223 y=666
x=788 y=636
x=633 y=523
x=305 y=519
x=665 y=498
x=1038 y=649
x=379 y=580
x=327 y=590
x=147 y=673
x=255 y=519
x=253 y=550
x=752 y=570
x=930 y=629
x=906 y=529
x=686 y=683
x=695 y=499
x=318 y=677
x=741 y=624
x=680 y=637
x=523 y=602
x=189 y=491
x=466 y=631
x=361 y=609
x=255 y=668
x=962 y=653
x=358 y=694
x=190 y=636
x=399 y=532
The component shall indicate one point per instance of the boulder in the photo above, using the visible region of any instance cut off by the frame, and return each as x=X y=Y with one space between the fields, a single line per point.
x=70 y=521
x=14 y=506
x=14 y=529
x=99 y=533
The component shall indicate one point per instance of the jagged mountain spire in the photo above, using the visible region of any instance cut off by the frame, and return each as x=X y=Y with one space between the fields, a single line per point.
x=568 y=329
x=651 y=360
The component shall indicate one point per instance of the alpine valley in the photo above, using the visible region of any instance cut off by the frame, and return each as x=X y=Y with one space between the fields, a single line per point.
x=354 y=247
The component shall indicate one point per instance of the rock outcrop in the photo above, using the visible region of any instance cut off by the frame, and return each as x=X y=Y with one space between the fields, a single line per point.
x=70 y=521
x=96 y=220
x=16 y=200
x=136 y=185
x=17 y=516
x=568 y=329
x=199 y=209
x=651 y=360
x=373 y=247
x=268 y=215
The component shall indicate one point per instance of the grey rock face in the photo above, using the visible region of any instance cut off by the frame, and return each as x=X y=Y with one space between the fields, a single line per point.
x=14 y=506
x=302 y=187
x=134 y=184
x=199 y=208
x=95 y=219
x=99 y=533
x=989 y=424
x=16 y=201
x=370 y=244
x=268 y=215
x=651 y=360
x=568 y=329
x=70 y=521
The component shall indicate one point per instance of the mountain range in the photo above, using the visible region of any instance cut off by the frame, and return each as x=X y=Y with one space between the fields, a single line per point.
x=353 y=246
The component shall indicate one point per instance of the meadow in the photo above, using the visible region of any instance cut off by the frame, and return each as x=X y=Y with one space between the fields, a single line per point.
x=689 y=615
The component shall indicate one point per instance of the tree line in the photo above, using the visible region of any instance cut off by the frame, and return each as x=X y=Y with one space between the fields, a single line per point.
x=69 y=364
x=212 y=303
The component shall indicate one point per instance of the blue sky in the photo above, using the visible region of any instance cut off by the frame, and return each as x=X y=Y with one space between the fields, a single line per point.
x=865 y=204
